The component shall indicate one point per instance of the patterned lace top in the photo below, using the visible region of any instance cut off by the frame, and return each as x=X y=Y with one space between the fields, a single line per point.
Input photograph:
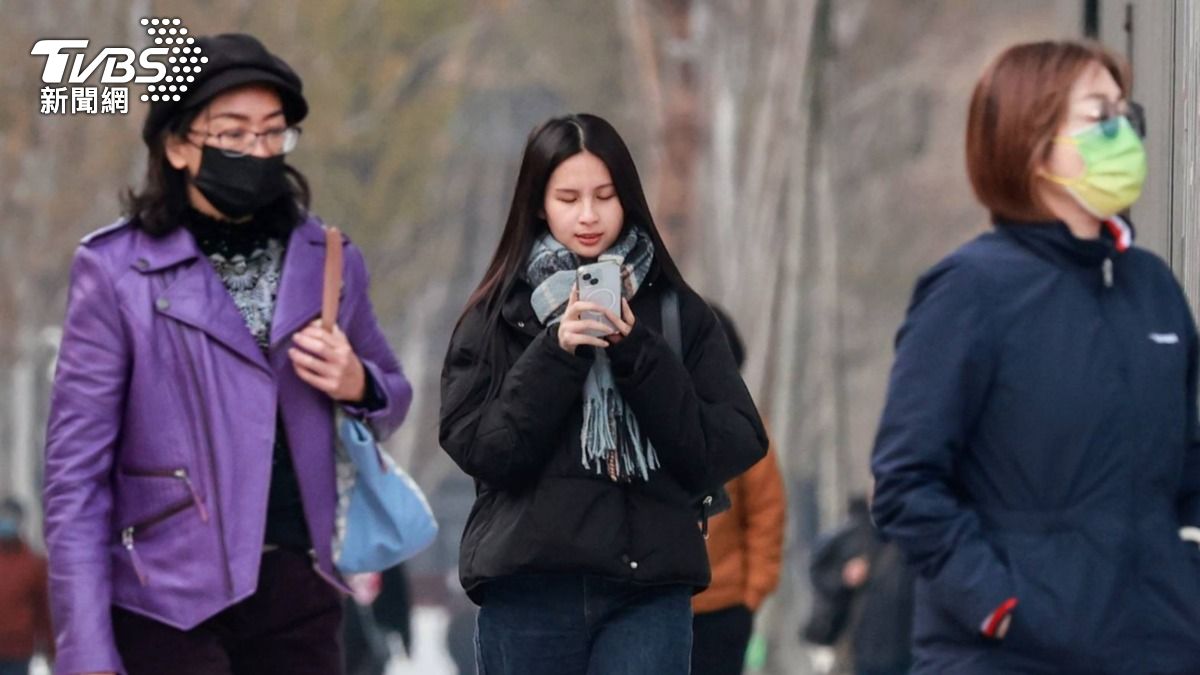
x=249 y=260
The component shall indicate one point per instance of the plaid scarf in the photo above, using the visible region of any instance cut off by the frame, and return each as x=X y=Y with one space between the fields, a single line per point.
x=610 y=437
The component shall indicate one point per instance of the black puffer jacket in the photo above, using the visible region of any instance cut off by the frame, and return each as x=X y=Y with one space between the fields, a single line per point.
x=538 y=509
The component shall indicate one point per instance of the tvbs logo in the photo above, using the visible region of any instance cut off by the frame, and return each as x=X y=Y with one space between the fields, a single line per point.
x=167 y=68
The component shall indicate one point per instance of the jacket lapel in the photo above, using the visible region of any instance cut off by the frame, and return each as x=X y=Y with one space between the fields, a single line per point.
x=196 y=295
x=299 y=300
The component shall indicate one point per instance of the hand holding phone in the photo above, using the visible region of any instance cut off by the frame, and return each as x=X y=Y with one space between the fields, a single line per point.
x=600 y=284
x=596 y=314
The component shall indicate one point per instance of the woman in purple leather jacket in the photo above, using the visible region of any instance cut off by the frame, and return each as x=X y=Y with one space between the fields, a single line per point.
x=190 y=485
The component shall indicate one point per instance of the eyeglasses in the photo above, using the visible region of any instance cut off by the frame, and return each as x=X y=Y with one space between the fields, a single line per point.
x=241 y=142
x=1110 y=114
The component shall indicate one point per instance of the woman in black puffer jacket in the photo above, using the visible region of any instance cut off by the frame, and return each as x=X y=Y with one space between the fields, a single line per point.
x=584 y=547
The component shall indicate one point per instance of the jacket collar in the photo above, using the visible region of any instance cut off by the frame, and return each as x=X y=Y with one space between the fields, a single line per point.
x=1053 y=241
x=196 y=295
x=153 y=254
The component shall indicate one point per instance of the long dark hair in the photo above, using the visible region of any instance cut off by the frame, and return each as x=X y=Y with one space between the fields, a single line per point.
x=549 y=145
x=158 y=207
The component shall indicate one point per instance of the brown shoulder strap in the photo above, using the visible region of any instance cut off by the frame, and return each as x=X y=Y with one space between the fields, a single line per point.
x=333 y=278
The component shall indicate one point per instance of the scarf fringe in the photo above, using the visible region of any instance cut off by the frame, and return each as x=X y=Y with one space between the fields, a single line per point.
x=612 y=442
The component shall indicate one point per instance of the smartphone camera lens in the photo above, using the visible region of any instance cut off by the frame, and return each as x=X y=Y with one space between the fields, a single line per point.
x=595 y=281
x=587 y=276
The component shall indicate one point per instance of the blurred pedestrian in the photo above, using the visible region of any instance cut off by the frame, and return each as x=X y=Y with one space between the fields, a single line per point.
x=365 y=649
x=392 y=608
x=1038 y=452
x=583 y=548
x=190 y=485
x=863 y=585
x=745 y=552
x=24 y=610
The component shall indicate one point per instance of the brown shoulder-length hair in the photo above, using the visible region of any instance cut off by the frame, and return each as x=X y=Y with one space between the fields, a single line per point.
x=1017 y=108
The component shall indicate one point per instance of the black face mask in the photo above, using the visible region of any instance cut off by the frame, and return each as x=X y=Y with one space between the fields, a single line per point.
x=239 y=186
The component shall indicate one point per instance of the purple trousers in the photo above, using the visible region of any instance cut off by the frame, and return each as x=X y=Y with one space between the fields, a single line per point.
x=291 y=625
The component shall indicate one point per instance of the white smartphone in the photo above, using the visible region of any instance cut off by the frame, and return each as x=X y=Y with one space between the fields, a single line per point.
x=600 y=283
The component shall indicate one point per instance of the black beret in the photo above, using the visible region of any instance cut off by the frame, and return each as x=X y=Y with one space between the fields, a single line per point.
x=234 y=59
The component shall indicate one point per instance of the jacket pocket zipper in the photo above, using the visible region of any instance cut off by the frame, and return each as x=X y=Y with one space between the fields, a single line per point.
x=127 y=540
x=180 y=474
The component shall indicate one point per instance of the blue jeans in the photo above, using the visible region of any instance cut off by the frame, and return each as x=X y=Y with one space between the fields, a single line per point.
x=577 y=625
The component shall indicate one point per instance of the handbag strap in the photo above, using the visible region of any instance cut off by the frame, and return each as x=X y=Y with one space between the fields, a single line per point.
x=333 y=278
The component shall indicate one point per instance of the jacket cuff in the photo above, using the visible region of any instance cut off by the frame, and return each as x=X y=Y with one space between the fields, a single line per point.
x=547 y=342
x=626 y=354
x=375 y=398
x=753 y=600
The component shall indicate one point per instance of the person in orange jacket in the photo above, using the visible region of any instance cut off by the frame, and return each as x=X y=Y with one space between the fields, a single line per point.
x=745 y=551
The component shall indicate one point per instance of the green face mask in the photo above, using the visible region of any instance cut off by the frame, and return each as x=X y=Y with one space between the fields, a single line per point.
x=1115 y=162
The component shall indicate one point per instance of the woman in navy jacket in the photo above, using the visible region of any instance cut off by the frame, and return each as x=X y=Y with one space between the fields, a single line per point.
x=1037 y=457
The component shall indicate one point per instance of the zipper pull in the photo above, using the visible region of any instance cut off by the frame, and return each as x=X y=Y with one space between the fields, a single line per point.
x=1107 y=268
x=704 y=516
x=127 y=542
x=182 y=475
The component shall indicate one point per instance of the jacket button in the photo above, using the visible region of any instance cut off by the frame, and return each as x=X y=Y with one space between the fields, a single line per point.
x=520 y=324
x=633 y=564
x=142 y=263
x=162 y=304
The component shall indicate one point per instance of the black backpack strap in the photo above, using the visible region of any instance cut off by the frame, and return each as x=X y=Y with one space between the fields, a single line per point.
x=712 y=501
x=670 y=321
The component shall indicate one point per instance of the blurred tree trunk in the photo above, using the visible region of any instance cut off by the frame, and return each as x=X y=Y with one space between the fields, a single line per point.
x=733 y=84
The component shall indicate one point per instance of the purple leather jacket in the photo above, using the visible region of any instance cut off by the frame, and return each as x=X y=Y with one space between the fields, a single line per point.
x=162 y=423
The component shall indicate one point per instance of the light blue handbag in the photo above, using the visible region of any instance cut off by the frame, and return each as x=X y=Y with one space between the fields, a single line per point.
x=383 y=517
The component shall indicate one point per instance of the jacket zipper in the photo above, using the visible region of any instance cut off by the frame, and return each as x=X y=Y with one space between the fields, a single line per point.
x=127 y=540
x=206 y=448
x=182 y=475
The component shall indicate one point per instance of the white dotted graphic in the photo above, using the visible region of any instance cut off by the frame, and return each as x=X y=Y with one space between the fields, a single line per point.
x=171 y=32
